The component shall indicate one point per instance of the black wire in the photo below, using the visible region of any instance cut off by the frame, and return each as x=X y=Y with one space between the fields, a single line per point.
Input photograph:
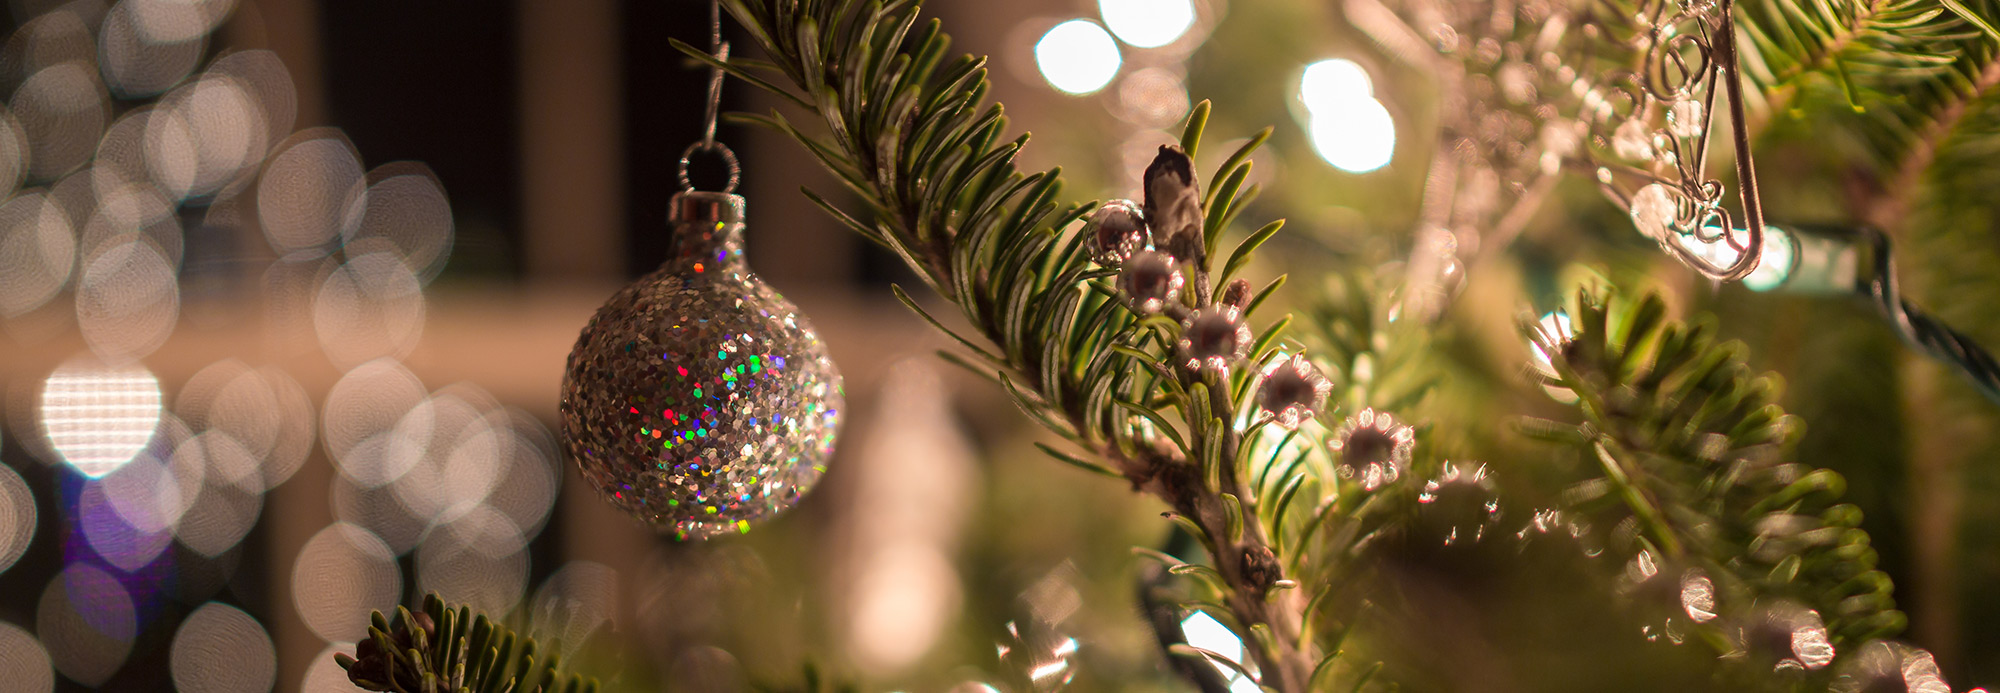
x=1920 y=329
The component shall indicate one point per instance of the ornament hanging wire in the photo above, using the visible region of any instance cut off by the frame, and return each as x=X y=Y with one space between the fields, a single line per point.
x=1676 y=64
x=720 y=49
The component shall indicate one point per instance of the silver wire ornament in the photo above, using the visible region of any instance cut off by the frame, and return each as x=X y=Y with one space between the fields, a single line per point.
x=698 y=399
x=1690 y=60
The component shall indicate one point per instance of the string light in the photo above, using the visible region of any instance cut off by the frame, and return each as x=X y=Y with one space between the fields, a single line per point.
x=1349 y=127
x=1147 y=23
x=1077 y=57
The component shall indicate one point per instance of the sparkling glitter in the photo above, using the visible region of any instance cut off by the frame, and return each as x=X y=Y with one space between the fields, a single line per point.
x=733 y=421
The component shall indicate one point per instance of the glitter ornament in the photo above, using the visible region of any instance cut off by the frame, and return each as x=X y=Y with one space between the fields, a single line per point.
x=1150 y=280
x=698 y=399
x=1372 y=448
x=1290 y=390
x=1213 y=339
x=1117 y=230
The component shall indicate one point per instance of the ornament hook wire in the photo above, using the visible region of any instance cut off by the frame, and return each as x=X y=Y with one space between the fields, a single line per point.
x=720 y=50
x=1716 y=66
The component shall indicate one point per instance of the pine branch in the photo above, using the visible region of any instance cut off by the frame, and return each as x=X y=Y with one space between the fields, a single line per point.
x=1857 y=44
x=446 y=649
x=1689 y=472
x=908 y=134
x=1949 y=111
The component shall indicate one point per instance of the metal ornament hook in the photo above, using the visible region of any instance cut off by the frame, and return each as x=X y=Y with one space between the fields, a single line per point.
x=1669 y=76
x=720 y=50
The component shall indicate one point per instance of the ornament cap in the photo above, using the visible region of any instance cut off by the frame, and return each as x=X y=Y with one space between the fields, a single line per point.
x=701 y=206
x=708 y=227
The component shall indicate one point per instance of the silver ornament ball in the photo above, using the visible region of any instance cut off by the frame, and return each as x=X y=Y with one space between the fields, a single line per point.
x=698 y=399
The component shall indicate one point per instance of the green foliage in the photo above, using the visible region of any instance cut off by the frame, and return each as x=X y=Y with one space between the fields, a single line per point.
x=446 y=649
x=1687 y=465
x=1686 y=457
x=907 y=132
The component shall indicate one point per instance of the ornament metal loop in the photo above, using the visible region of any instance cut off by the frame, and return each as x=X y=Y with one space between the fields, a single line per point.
x=719 y=49
x=721 y=151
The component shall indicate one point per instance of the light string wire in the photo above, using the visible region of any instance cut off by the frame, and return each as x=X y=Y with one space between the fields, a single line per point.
x=707 y=144
x=1918 y=328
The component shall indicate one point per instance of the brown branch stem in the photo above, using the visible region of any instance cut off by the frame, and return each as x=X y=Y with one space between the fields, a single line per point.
x=1890 y=207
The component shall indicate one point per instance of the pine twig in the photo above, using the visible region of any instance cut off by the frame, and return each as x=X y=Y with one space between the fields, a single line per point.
x=907 y=132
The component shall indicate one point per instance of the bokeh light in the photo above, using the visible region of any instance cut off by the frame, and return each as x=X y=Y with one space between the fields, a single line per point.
x=1155 y=97
x=1358 y=137
x=459 y=457
x=361 y=416
x=125 y=211
x=121 y=152
x=408 y=211
x=37 y=252
x=62 y=109
x=1557 y=329
x=204 y=135
x=1331 y=83
x=169 y=21
x=118 y=542
x=342 y=572
x=134 y=63
x=127 y=299
x=527 y=486
x=150 y=494
x=263 y=78
x=370 y=307
x=17 y=518
x=377 y=509
x=224 y=511
x=1147 y=23
x=97 y=417
x=24 y=664
x=1203 y=631
x=575 y=602
x=87 y=621
x=325 y=676
x=1775 y=261
x=312 y=192
x=262 y=411
x=478 y=558
x=13 y=152
x=1349 y=127
x=1077 y=57
x=220 y=649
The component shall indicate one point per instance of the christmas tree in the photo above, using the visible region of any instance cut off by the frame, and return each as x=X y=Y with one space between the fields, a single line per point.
x=1440 y=345
x=1362 y=492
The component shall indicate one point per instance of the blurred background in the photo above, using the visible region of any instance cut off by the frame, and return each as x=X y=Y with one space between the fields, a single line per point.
x=287 y=285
